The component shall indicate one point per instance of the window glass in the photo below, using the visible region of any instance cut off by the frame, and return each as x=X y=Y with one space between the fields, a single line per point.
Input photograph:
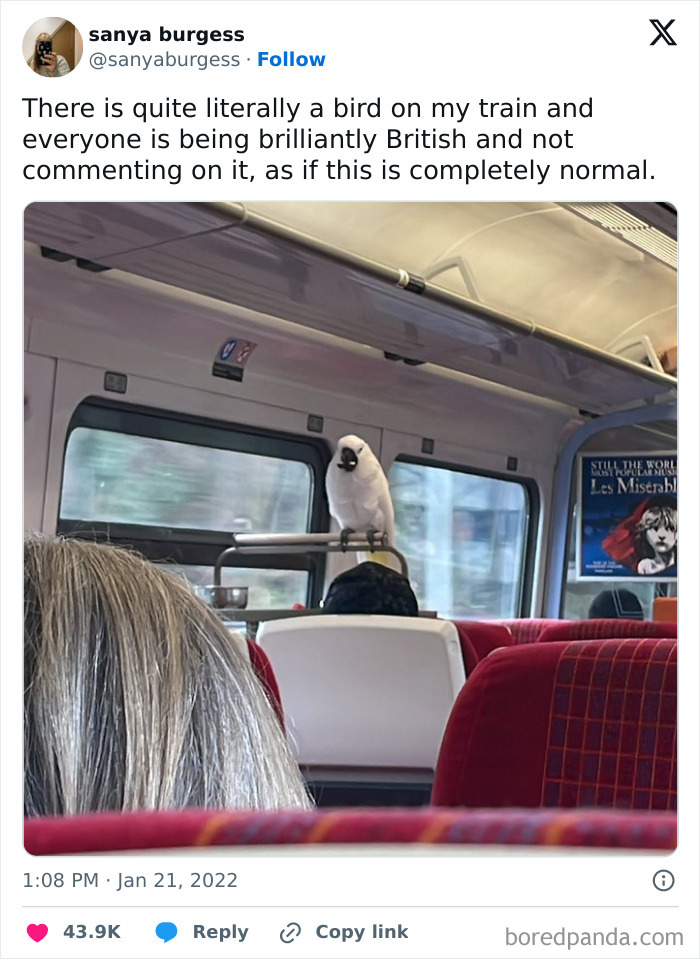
x=268 y=588
x=112 y=477
x=464 y=538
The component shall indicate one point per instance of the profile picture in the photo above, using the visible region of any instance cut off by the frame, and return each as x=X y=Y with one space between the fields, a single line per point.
x=52 y=47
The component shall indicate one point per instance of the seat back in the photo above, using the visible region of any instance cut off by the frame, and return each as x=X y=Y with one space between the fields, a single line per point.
x=589 y=723
x=480 y=639
x=365 y=691
x=262 y=667
x=128 y=832
x=527 y=630
x=606 y=629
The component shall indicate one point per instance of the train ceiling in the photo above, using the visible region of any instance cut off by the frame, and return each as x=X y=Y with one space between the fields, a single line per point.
x=593 y=271
x=574 y=302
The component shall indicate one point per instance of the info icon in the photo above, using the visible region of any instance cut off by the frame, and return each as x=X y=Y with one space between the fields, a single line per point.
x=664 y=880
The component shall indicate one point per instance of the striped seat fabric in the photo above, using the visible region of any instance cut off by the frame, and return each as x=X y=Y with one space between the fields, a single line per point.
x=590 y=723
x=114 y=832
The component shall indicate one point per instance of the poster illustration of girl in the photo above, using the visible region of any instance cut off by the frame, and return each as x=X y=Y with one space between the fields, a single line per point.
x=646 y=542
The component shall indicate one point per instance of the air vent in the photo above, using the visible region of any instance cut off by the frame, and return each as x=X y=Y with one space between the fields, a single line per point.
x=630 y=228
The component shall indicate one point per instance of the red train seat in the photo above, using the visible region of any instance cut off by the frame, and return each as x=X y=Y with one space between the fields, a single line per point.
x=479 y=639
x=528 y=630
x=606 y=629
x=115 y=832
x=590 y=723
x=262 y=666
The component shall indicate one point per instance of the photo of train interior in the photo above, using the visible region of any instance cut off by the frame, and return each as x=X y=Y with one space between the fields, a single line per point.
x=350 y=524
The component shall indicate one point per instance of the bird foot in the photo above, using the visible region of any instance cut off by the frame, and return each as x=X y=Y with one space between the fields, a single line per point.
x=345 y=536
x=373 y=537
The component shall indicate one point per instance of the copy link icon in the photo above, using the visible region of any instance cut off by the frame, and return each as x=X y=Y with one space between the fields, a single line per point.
x=290 y=932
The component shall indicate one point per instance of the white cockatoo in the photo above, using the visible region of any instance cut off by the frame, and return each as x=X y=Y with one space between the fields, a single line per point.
x=358 y=493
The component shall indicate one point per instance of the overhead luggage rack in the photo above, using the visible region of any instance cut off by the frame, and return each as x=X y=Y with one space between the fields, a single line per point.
x=455 y=306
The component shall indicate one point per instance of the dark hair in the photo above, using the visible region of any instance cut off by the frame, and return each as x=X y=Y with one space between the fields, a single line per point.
x=616 y=604
x=370 y=588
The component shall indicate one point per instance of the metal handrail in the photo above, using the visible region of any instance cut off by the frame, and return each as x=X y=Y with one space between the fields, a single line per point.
x=285 y=543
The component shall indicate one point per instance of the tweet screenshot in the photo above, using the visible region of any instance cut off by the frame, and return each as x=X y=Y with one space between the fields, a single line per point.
x=347 y=620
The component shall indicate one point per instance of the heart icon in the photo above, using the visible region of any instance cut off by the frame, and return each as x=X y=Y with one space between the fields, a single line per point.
x=37 y=933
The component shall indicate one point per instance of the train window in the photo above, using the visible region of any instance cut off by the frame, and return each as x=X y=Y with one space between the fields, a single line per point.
x=464 y=536
x=120 y=478
x=267 y=588
x=176 y=489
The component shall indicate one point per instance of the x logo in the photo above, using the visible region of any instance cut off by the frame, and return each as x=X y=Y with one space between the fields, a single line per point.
x=662 y=31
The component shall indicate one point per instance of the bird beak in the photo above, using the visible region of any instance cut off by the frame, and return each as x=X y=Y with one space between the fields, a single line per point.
x=348 y=459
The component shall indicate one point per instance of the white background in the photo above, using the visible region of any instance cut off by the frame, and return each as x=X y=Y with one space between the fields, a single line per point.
x=645 y=105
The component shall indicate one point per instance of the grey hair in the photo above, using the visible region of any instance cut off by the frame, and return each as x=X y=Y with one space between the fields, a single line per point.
x=136 y=696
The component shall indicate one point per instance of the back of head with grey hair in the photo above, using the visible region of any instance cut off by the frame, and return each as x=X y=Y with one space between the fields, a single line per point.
x=135 y=695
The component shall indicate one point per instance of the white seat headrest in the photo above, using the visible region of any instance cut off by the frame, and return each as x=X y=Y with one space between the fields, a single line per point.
x=365 y=690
